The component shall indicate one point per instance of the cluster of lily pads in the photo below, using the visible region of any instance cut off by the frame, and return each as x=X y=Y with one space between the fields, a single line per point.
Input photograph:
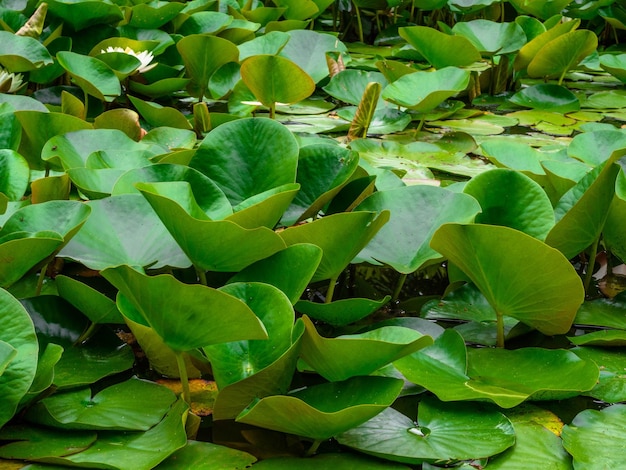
x=193 y=196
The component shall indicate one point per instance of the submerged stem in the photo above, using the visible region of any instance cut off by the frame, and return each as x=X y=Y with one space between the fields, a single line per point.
x=184 y=379
x=499 y=330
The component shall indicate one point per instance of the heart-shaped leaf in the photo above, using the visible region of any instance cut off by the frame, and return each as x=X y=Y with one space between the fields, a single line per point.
x=22 y=53
x=440 y=49
x=93 y=76
x=544 y=293
x=492 y=38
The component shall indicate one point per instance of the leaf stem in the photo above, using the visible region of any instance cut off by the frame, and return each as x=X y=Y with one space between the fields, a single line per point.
x=399 y=286
x=201 y=276
x=499 y=330
x=184 y=379
x=359 y=22
x=331 y=289
x=313 y=448
x=42 y=276
x=590 y=264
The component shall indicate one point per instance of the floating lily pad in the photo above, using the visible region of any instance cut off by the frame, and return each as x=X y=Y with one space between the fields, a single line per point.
x=611 y=387
x=547 y=96
x=342 y=461
x=454 y=373
x=207 y=456
x=39 y=442
x=441 y=432
x=590 y=429
x=323 y=411
x=133 y=405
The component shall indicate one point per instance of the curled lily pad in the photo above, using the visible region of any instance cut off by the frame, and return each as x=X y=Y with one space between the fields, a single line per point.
x=200 y=320
x=440 y=49
x=323 y=411
x=341 y=312
x=442 y=432
x=423 y=91
x=492 y=38
x=362 y=353
x=93 y=76
x=92 y=303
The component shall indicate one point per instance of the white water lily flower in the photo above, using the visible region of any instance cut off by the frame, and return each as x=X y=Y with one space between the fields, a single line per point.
x=145 y=57
x=10 y=82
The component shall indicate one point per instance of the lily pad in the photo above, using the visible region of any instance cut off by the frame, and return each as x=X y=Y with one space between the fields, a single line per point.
x=442 y=432
x=207 y=456
x=362 y=353
x=156 y=297
x=490 y=37
x=454 y=373
x=611 y=387
x=30 y=443
x=93 y=76
x=508 y=198
x=544 y=294
x=261 y=151
x=92 y=303
x=341 y=312
x=590 y=429
x=416 y=212
x=440 y=49
x=423 y=91
x=22 y=53
x=133 y=405
x=18 y=333
x=124 y=230
x=325 y=410
x=547 y=96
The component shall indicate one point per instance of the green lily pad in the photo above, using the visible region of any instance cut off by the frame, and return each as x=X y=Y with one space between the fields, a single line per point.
x=341 y=312
x=340 y=236
x=527 y=53
x=308 y=49
x=205 y=22
x=596 y=147
x=423 y=91
x=140 y=451
x=274 y=79
x=15 y=174
x=576 y=226
x=605 y=338
x=603 y=312
x=416 y=212
x=464 y=303
x=325 y=410
x=508 y=198
x=7 y=354
x=102 y=355
x=156 y=297
x=207 y=456
x=202 y=56
x=124 y=230
x=547 y=96
x=442 y=432
x=232 y=247
x=611 y=387
x=544 y=294
x=454 y=373
x=18 y=333
x=270 y=43
x=81 y=14
x=133 y=405
x=157 y=115
x=542 y=10
x=153 y=15
x=93 y=76
x=615 y=64
x=49 y=357
x=562 y=54
x=235 y=361
x=261 y=151
x=362 y=353
x=322 y=171
x=22 y=53
x=275 y=379
x=211 y=200
x=301 y=260
x=348 y=85
x=92 y=303
x=342 y=461
x=440 y=49
x=590 y=429
x=31 y=443
x=492 y=38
